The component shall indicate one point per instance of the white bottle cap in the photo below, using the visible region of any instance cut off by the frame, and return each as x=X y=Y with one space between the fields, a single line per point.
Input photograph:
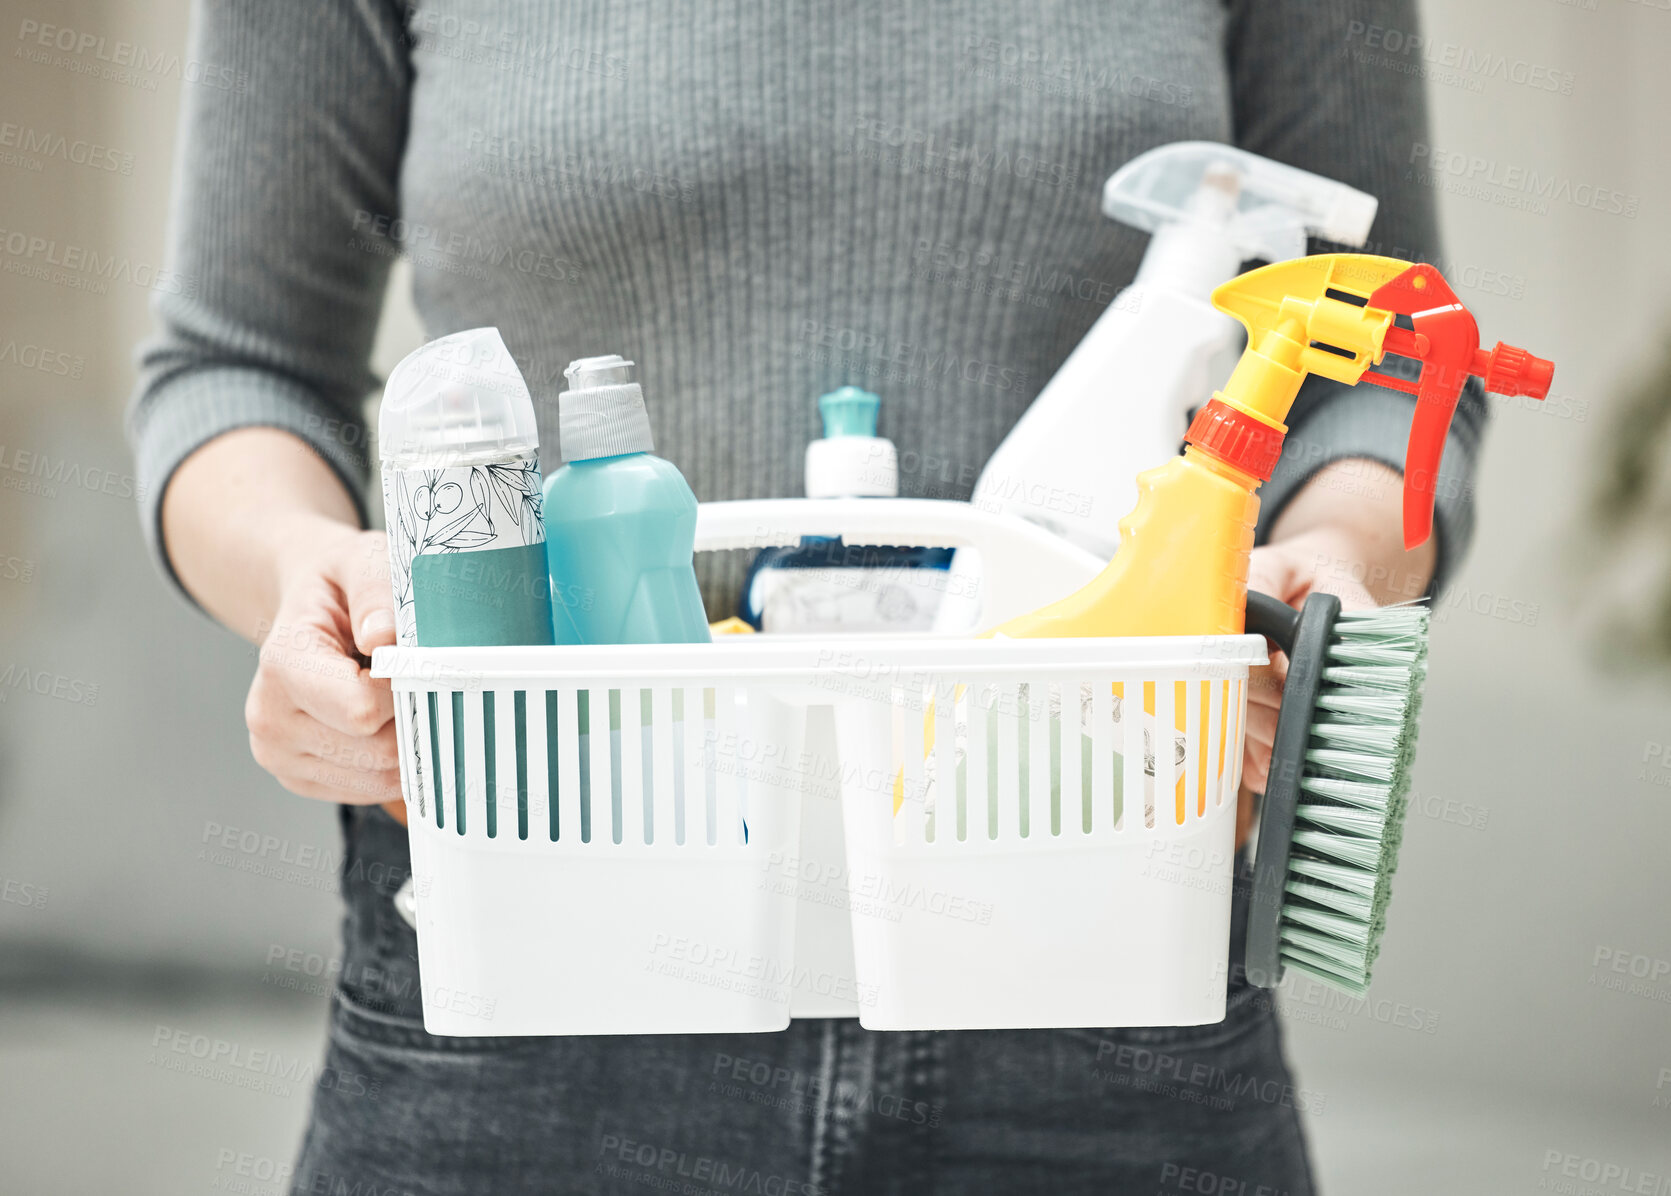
x=457 y=399
x=602 y=413
x=851 y=461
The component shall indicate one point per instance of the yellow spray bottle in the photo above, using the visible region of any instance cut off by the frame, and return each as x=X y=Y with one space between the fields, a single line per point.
x=1184 y=550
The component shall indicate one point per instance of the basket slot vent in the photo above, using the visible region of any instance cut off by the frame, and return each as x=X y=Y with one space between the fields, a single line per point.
x=563 y=746
x=450 y=775
x=634 y=764
x=597 y=783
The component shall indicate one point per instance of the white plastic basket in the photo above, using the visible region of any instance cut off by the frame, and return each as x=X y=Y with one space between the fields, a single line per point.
x=650 y=880
x=1051 y=862
x=597 y=883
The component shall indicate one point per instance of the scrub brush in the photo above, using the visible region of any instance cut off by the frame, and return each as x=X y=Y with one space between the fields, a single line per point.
x=1333 y=811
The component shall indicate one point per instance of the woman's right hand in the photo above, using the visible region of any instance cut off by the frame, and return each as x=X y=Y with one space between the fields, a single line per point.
x=317 y=719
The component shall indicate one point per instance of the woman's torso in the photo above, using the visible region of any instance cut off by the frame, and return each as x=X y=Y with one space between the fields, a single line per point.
x=761 y=202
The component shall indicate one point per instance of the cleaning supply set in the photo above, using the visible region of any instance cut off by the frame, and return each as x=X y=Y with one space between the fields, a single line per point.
x=822 y=584
x=971 y=910
x=479 y=550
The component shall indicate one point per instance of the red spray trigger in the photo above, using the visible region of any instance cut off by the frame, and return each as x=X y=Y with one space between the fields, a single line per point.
x=1444 y=338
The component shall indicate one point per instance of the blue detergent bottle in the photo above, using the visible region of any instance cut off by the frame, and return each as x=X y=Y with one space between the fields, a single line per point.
x=620 y=528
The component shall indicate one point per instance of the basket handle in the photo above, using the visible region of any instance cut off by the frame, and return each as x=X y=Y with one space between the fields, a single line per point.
x=1037 y=567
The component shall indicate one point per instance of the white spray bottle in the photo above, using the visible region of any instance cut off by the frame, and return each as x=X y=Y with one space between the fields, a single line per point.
x=1119 y=404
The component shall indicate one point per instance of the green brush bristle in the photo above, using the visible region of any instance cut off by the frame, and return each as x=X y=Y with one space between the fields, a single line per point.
x=1354 y=795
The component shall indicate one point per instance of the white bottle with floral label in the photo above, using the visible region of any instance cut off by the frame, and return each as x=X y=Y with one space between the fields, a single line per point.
x=462 y=501
x=462 y=497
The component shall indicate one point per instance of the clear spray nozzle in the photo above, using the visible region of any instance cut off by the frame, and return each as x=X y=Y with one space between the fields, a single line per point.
x=1251 y=206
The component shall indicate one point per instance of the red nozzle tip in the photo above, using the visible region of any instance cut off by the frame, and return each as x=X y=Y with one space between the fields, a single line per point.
x=1513 y=371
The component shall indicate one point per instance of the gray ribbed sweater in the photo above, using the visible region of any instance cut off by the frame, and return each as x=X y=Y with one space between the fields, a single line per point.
x=758 y=200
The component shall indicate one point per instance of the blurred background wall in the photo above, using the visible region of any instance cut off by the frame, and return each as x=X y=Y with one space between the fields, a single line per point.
x=152 y=878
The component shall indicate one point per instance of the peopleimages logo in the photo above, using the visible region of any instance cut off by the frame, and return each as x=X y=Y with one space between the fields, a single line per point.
x=84 y=268
x=23 y=140
x=1466 y=174
x=42 y=473
x=1611 y=1176
x=1032 y=68
x=48 y=361
x=1454 y=63
x=917 y=364
x=428 y=245
x=119 y=60
x=934 y=152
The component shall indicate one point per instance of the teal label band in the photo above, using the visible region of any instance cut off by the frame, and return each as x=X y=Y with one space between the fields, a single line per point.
x=486 y=597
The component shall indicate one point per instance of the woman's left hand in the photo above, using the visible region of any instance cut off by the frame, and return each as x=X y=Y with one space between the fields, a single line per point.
x=1341 y=535
x=1290 y=571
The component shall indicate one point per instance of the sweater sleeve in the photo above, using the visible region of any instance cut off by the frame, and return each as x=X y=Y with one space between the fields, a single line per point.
x=285 y=187
x=1312 y=87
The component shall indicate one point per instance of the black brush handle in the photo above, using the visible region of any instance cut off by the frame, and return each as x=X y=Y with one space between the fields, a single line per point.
x=1304 y=636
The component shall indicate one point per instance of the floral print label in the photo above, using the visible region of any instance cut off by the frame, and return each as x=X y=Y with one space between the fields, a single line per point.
x=459 y=509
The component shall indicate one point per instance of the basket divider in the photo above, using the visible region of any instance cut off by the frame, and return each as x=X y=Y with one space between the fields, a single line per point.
x=510 y=816
x=1042 y=806
x=1077 y=815
x=600 y=788
x=1133 y=789
x=566 y=745
x=1006 y=707
x=725 y=829
x=634 y=740
x=950 y=805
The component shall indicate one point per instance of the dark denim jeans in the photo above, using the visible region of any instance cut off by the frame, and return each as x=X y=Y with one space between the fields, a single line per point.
x=823 y=1108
